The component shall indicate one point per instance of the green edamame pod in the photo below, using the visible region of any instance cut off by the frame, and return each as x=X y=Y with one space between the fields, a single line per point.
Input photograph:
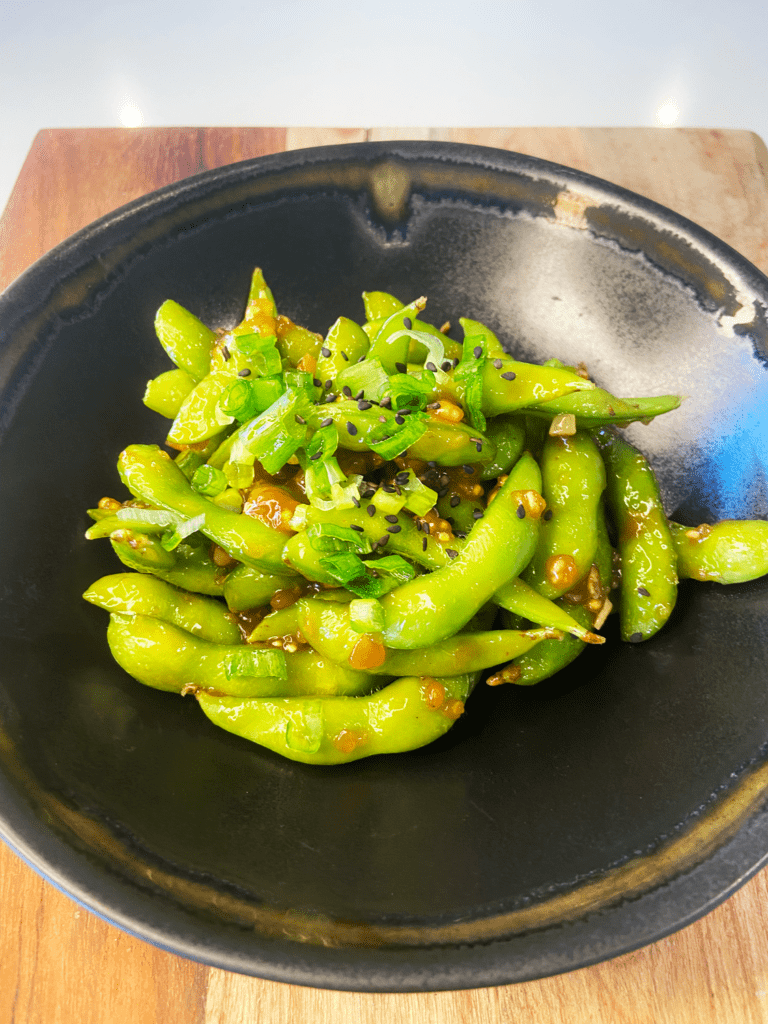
x=185 y=338
x=327 y=628
x=132 y=593
x=647 y=553
x=294 y=343
x=521 y=600
x=573 y=478
x=731 y=551
x=405 y=715
x=199 y=417
x=188 y=566
x=166 y=393
x=281 y=623
x=166 y=657
x=345 y=343
x=149 y=473
x=380 y=305
x=598 y=408
x=508 y=437
x=431 y=608
x=246 y=587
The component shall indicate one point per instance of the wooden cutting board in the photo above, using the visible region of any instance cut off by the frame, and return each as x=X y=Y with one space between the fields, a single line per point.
x=60 y=964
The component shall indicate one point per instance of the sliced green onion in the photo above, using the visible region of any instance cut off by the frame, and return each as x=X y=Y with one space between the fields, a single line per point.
x=230 y=499
x=409 y=390
x=370 y=377
x=402 y=438
x=256 y=661
x=470 y=373
x=332 y=538
x=182 y=531
x=419 y=498
x=275 y=435
x=267 y=390
x=262 y=352
x=209 y=481
x=366 y=615
x=323 y=444
x=394 y=566
x=344 y=567
x=434 y=346
x=150 y=516
x=387 y=502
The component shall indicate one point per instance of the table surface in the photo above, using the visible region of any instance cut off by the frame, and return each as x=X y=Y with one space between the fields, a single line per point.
x=60 y=964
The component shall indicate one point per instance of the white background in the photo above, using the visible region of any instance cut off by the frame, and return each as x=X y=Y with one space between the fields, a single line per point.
x=403 y=62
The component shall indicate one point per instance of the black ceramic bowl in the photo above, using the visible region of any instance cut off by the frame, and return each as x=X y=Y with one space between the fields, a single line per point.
x=554 y=826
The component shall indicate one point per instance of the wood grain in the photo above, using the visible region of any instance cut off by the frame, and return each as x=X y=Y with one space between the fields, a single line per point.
x=59 y=964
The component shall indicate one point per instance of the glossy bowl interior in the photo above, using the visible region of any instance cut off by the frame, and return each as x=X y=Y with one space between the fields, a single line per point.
x=554 y=826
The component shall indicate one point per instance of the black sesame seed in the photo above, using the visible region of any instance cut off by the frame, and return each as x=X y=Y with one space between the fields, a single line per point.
x=346 y=391
x=479 y=446
x=325 y=351
x=455 y=500
x=354 y=500
x=244 y=373
x=394 y=529
x=509 y=375
x=360 y=394
x=327 y=422
x=386 y=403
x=636 y=638
x=300 y=419
x=345 y=356
x=431 y=465
x=383 y=540
x=317 y=383
x=431 y=366
x=391 y=519
x=225 y=351
x=446 y=366
x=371 y=510
x=361 y=359
x=315 y=456
x=498 y=364
x=402 y=478
x=547 y=515
x=469 y=470
x=407 y=323
x=401 y=367
x=357 y=528
x=477 y=351
x=328 y=385
x=423 y=543
x=389 y=488
x=405 y=412
x=362 y=405
x=643 y=592
x=521 y=511
x=477 y=513
x=451 y=553
x=351 y=428
x=399 y=419
x=330 y=398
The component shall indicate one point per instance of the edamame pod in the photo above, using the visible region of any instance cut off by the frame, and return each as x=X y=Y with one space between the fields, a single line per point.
x=405 y=715
x=166 y=657
x=573 y=478
x=433 y=607
x=132 y=593
x=647 y=553
x=731 y=551
x=148 y=472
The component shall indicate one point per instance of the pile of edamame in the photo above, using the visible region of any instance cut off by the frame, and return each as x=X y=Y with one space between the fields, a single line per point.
x=352 y=529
